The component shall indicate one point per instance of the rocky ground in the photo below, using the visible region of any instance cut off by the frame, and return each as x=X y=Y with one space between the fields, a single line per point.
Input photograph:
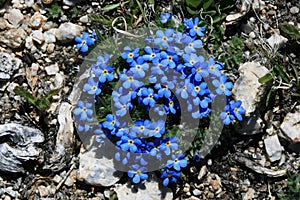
x=43 y=158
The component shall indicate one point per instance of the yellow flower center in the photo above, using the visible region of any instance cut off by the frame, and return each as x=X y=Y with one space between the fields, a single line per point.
x=197 y=88
x=171 y=103
x=84 y=109
x=130 y=55
x=168 y=143
x=150 y=96
x=138 y=172
x=105 y=72
x=94 y=88
x=196 y=28
x=170 y=58
x=83 y=42
x=198 y=70
x=222 y=86
x=236 y=110
x=212 y=67
x=130 y=142
x=130 y=78
x=164 y=38
x=113 y=122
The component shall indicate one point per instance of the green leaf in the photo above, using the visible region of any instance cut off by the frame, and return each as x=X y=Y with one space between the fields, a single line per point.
x=42 y=104
x=290 y=30
x=192 y=12
x=51 y=93
x=26 y=95
x=102 y=19
x=207 y=4
x=211 y=12
x=296 y=75
x=266 y=78
x=268 y=96
x=282 y=74
x=193 y=3
x=111 y=7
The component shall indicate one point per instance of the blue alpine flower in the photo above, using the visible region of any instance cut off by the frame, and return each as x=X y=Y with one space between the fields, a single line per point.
x=111 y=123
x=92 y=87
x=131 y=144
x=222 y=86
x=193 y=27
x=177 y=162
x=84 y=42
x=227 y=116
x=164 y=38
x=237 y=109
x=130 y=54
x=137 y=173
x=139 y=67
x=169 y=176
x=169 y=144
x=83 y=111
x=164 y=17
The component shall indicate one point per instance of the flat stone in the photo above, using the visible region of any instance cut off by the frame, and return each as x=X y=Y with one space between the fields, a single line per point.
x=9 y=64
x=13 y=37
x=249 y=195
x=151 y=191
x=273 y=147
x=50 y=35
x=276 y=40
x=67 y=31
x=38 y=36
x=52 y=69
x=97 y=171
x=291 y=126
x=251 y=93
x=43 y=191
x=14 y=17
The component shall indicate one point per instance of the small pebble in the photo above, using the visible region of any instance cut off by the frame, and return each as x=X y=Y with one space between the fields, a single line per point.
x=209 y=162
x=294 y=10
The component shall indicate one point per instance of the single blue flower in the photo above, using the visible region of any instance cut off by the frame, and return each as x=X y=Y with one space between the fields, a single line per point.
x=164 y=17
x=111 y=123
x=137 y=173
x=222 y=86
x=183 y=89
x=163 y=91
x=139 y=67
x=198 y=89
x=194 y=28
x=104 y=74
x=83 y=111
x=169 y=59
x=130 y=144
x=214 y=67
x=147 y=96
x=177 y=162
x=84 y=42
x=237 y=109
x=169 y=176
x=92 y=87
x=152 y=54
x=171 y=106
x=164 y=38
x=141 y=127
x=227 y=116
x=157 y=128
x=200 y=71
x=130 y=54
x=130 y=80
x=123 y=105
x=169 y=144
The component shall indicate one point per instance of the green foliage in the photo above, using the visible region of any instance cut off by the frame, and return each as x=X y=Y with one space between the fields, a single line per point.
x=290 y=30
x=54 y=10
x=41 y=103
x=293 y=188
x=231 y=54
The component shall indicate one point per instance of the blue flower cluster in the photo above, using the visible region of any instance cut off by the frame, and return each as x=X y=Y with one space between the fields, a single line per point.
x=167 y=70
